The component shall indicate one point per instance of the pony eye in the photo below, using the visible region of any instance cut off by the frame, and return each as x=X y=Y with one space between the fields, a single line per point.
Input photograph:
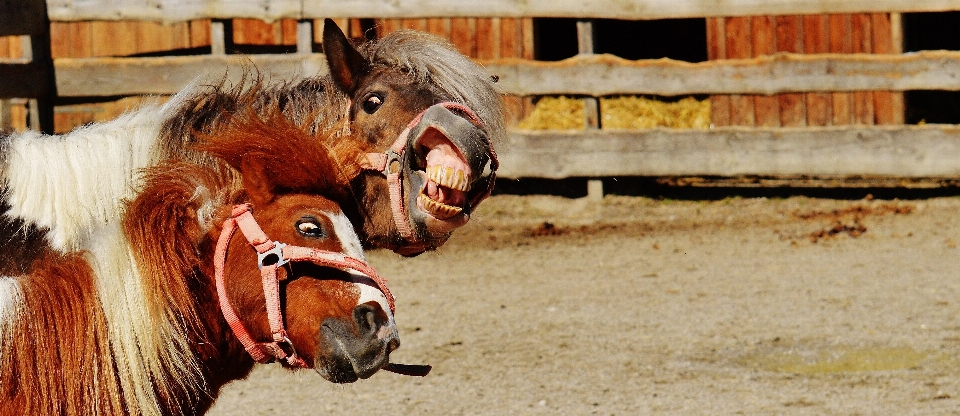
x=309 y=227
x=372 y=103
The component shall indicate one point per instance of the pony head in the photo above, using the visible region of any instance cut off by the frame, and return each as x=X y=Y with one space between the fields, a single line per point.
x=433 y=114
x=338 y=320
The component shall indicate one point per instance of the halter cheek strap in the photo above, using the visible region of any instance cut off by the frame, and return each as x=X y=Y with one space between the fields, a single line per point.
x=271 y=255
x=389 y=164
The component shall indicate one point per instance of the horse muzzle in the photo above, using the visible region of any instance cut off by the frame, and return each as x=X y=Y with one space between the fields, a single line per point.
x=355 y=348
x=447 y=153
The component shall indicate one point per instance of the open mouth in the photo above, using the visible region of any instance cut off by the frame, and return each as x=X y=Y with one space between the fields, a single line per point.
x=448 y=176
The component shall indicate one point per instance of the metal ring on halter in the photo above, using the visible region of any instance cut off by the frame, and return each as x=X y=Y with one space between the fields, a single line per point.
x=277 y=251
x=392 y=165
x=286 y=342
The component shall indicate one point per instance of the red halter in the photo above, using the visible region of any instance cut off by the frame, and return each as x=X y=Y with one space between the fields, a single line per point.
x=389 y=162
x=270 y=256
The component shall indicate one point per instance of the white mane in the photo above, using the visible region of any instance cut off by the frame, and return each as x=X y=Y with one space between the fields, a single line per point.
x=74 y=186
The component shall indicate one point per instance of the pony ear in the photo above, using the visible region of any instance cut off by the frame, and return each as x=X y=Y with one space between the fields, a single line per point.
x=256 y=180
x=347 y=65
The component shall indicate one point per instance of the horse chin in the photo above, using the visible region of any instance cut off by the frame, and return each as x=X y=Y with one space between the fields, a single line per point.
x=343 y=356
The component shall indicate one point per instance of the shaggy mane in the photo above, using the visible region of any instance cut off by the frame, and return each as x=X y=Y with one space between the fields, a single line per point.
x=436 y=62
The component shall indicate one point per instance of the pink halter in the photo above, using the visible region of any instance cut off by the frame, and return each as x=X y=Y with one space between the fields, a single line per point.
x=270 y=256
x=389 y=163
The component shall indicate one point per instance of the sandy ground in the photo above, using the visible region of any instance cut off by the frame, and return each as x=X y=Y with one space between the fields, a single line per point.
x=631 y=305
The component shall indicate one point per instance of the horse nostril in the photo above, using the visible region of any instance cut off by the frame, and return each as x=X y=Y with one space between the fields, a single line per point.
x=367 y=321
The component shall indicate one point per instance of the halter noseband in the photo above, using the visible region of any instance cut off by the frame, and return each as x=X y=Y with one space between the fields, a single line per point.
x=389 y=164
x=270 y=256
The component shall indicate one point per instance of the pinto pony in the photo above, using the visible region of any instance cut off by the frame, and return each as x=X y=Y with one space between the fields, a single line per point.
x=133 y=324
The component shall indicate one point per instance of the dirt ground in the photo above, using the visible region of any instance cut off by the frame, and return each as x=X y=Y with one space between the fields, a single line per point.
x=545 y=305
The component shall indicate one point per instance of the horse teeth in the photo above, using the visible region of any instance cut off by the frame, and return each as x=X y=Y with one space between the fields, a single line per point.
x=449 y=177
x=439 y=210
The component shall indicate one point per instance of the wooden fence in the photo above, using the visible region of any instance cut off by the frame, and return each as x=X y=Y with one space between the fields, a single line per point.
x=897 y=151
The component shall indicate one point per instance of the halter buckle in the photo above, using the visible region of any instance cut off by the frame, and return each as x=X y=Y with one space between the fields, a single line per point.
x=393 y=164
x=272 y=257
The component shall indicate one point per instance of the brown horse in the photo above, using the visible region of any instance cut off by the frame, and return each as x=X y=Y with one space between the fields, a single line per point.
x=133 y=324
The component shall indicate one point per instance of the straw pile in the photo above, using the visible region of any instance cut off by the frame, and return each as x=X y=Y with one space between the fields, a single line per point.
x=563 y=113
x=555 y=113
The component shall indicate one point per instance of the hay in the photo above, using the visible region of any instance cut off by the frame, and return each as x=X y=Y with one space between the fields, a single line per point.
x=563 y=113
x=644 y=113
x=555 y=113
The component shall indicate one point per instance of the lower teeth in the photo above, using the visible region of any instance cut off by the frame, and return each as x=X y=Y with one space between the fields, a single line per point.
x=440 y=210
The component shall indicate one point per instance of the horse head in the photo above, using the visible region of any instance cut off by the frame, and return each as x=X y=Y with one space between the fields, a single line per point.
x=336 y=314
x=430 y=115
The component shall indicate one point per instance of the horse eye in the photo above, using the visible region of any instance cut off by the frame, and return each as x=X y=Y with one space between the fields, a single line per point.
x=372 y=103
x=309 y=227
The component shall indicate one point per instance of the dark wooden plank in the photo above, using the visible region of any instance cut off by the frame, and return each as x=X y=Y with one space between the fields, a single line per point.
x=717 y=49
x=200 y=33
x=816 y=39
x=463 y=34
x=488 y=39
x=764 y=33
x=31 y=82
x=862 y=36
x=22 y=17
x=739 y=45
x=841 y=41
x=439 y=27
x=888 y=105
x=113 y=38
x=793 y=108
x=511 y=38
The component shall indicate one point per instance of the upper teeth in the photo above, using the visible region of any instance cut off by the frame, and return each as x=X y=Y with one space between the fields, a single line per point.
x=449 y=177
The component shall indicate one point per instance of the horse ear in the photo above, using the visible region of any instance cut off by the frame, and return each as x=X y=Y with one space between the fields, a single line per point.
x=256 y=180
x=347 y=65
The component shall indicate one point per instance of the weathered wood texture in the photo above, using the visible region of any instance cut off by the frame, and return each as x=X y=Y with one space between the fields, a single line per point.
x=594 y=75
x=167 y=75
x=183 y=10
x=902 y=151
x=835 y=33
x=780 y=73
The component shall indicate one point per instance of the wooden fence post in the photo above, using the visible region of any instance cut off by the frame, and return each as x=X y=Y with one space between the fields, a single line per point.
x=36 y=48
x=305 y=36
x=221 y=36
x=591 y=105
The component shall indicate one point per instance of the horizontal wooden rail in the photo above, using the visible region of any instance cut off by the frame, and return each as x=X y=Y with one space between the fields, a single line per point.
x=608 y=75
x=180 y=10
x=83 y=77
x=596 y=75
x=897 y=151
